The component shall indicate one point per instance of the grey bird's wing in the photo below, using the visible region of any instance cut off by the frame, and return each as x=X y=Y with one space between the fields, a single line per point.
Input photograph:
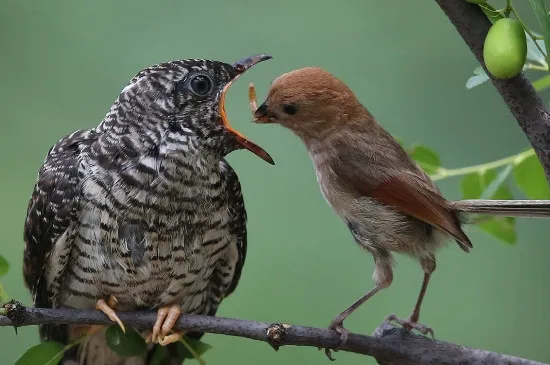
x=220 y=288
x=48 y=233
x=238 y=225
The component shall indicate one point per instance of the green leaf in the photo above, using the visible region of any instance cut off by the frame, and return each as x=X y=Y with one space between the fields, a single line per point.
x=490 y=185
x=198 y=347
x=530 y=178
x=475 y=184
x=3 y=294
x=427 y=158
x=46 y=353
x=533 y=52
x=495 y=190
x=126 y=345
x=492 y=13
x=159 y=355
x=471 y=186
x=544 y=21
x=500 y=227
x=479 y=78
x=542 y=83
x=4 y=265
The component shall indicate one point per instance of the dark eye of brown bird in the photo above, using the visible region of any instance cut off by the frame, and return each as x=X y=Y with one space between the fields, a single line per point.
x=290 y=109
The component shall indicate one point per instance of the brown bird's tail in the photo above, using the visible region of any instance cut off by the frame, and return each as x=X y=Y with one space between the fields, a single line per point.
x=508 y=208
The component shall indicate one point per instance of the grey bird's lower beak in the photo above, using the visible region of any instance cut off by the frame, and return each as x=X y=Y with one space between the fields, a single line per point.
x=241 y=66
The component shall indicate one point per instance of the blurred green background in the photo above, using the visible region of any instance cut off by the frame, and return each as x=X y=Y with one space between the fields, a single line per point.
x=64 y=62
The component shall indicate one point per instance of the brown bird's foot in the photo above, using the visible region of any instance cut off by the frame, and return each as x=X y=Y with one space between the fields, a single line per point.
x=108 y=307
x=337 y=325
x=410 y=324
x=162 y=329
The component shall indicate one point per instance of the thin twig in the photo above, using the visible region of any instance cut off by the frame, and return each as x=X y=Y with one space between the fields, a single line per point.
x=389 y=345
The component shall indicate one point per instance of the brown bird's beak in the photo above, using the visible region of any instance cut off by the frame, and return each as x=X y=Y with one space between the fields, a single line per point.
x=241 y=66
x=261 y=115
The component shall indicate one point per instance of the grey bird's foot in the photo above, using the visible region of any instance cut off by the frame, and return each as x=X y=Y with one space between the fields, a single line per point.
x=410 y=324
x=338 y=326
x=162 y=332
x=108 y=307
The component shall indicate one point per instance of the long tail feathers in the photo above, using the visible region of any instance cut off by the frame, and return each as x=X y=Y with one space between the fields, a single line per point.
x=508 y=208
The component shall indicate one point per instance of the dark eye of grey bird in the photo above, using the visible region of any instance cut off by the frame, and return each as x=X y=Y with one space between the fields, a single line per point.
x=200 y=85
x=290 y=109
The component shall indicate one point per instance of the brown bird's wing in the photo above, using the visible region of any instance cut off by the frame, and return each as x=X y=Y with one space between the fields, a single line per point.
x=410 y=195
x=411 y=192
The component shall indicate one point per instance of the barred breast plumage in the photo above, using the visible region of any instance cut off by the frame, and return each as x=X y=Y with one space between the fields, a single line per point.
x=143 y=207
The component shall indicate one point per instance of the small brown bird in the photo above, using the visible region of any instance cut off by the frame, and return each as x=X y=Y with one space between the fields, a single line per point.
x=387 y=201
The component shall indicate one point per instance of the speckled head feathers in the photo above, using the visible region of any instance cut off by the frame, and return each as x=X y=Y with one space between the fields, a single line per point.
x=186 y=97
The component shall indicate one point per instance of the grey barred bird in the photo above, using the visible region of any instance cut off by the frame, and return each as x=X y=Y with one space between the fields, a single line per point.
x=143 y=211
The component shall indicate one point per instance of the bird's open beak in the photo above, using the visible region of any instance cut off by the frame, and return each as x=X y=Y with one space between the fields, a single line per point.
x=241 y=66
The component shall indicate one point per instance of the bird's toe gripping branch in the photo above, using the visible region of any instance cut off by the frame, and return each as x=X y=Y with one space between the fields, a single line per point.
x=410 y=324
x=337 y=325
x=108 y=307
x=162 y=332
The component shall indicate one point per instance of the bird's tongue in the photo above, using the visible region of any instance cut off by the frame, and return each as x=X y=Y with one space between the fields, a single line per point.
x=241 y=139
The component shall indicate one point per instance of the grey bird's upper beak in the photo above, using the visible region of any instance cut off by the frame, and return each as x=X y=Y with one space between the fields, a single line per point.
x=245 y=63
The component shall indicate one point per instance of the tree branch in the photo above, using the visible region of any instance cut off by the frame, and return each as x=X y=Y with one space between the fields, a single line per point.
x=523 y=101
x=389 y=345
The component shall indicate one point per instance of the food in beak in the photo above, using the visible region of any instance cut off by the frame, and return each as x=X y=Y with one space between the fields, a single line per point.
x=259 y=114
x=241 y=139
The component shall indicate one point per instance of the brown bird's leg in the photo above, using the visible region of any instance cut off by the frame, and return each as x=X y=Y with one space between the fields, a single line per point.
x=383 y=277
x=166 y=318
x=109 y=309
x=412 y=322
x=337 y=323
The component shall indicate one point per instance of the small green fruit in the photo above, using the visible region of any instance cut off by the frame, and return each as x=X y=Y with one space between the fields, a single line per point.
x=505 y=48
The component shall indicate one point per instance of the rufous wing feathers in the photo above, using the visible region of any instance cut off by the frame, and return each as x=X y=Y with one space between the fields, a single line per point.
x=421 y=202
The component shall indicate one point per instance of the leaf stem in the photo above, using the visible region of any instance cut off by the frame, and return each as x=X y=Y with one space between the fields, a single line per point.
x=509 y=8
x=193 y=352
x=532 y=66
x=65 y=349
x=3 y=294
x=542 y=83
x=443 y=173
